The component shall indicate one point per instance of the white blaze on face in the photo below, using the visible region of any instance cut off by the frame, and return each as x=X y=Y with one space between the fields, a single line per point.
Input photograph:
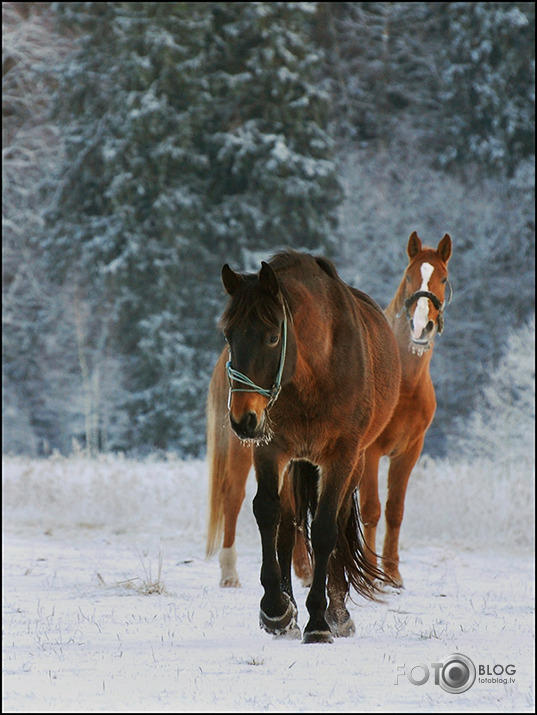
x=421 y=314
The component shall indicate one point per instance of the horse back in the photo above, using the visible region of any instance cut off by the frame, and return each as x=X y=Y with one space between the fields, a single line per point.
x=350 y=349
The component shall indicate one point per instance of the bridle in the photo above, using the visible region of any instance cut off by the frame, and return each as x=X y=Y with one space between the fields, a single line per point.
x=274 y=391
x=435 y=300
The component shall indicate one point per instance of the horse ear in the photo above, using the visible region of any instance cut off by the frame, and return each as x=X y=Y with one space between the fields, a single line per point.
x=268 y=280
x=444 y=248
x=231 y=280
x=414 y=244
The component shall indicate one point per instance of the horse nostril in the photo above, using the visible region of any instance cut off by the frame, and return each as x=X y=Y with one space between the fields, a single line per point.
x=250 y=423
x=429 y=326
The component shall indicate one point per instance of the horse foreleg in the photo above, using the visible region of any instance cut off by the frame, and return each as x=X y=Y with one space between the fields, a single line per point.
x=239 y=461
x=398 y=476
x=277 y=613
x=369 y=501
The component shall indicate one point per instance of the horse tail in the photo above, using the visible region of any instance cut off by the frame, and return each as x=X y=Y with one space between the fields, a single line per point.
x=216 y=457
x=349 y=557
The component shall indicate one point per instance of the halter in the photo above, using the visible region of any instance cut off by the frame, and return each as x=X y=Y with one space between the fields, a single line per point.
x=274 y=391
x=435 y=300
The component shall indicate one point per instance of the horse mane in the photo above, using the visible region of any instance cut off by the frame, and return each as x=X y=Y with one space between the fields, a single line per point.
x=251 y=300
x=327 y=266
x=295 y=262
x=292 y=258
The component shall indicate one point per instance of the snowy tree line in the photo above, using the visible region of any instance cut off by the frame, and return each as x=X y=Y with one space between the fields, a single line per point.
x=147 y=143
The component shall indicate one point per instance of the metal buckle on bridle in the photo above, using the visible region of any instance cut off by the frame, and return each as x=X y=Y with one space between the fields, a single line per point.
x=275 y=390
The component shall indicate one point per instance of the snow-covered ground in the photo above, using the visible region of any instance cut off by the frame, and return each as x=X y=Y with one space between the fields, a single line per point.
x=110 y=606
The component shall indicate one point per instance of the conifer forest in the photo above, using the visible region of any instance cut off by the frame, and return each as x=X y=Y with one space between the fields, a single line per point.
x=147 y=143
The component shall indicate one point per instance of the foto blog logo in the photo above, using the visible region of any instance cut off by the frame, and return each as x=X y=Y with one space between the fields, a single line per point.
x=455 y=674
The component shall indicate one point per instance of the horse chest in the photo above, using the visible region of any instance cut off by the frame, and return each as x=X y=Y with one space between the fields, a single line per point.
x=412 y=416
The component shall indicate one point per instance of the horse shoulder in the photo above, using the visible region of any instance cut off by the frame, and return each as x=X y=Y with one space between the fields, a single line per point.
x=416 y=408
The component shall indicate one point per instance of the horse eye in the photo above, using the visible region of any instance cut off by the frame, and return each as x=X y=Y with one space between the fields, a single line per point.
x=273 y=339
x=444 y=280
x=225 y=338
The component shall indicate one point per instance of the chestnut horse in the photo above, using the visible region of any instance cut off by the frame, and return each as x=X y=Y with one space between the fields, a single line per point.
x=314 y=373
x=416 y=315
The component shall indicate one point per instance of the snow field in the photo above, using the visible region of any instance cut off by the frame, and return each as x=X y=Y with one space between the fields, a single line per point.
x=109 y=604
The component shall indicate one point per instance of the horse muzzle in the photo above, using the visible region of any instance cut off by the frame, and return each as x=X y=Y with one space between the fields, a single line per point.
x=422 y=336
x=250 y=427
x=246 y=427
x=247 y=415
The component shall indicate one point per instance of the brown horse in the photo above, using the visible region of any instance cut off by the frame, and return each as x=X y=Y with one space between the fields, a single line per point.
x=314 y=374
x=230 y=460
x=416 y=315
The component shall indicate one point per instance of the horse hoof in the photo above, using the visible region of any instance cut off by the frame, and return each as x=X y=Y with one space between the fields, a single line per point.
x=281 y=626
x=317 y=637
x=395 y=581
x=230 y=582
x=343 y=629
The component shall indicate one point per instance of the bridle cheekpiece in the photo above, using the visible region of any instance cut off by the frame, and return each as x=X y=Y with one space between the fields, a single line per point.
x=272 y=394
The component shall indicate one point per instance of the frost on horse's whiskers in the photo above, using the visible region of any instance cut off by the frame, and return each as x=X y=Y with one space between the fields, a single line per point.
x=419 y=350
x=258 y=441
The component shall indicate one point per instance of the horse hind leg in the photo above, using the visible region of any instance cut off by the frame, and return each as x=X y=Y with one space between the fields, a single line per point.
x=300 y=489
x=301 y=558
x=239 y=462
x=398 y=476
x=229 y=576
x=370 y=503
x=350 y=565
x=337 y=615
x=286 y=536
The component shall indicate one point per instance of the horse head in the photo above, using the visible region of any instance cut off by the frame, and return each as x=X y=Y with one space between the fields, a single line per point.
x=256 y=327
x=425 y=283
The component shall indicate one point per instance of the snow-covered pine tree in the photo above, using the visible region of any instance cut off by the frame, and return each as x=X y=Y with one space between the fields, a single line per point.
x=31 y=49
x=456 y=79
x=378 y=59
x=274 y=182
x=125 y=224
x=487 y=84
